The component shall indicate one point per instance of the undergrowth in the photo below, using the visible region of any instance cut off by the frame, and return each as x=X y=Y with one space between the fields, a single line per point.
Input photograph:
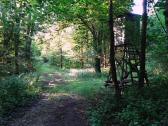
x=16 y=91
x=147 y=108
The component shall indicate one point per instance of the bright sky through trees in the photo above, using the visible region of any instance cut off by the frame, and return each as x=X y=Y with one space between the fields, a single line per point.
x=137 y=9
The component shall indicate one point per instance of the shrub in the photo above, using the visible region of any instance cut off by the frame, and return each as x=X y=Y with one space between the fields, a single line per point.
x=104 y=109
x=139 y=113
x=146 y=107
x=16 y=91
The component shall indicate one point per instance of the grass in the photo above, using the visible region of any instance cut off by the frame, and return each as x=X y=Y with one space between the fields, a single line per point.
x=47 y=68
x=83 y=88
x=83 y=82
x=86 y=84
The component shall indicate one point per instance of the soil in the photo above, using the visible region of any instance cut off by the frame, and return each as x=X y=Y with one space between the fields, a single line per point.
x=52 y=109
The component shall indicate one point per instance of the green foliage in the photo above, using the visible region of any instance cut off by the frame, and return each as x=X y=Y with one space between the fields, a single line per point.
x=140 y=112
x=12 y=93
x=45 y=68
x=19 y=20
x=147 y=107
x=67 y=62
x=72 y=63
x=104 y=109
x=157 y=43
x=16 y=91
x=36 y=52
x=55 y=59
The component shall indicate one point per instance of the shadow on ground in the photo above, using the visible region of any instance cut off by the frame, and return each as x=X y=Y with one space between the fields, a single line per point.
x=54 y=109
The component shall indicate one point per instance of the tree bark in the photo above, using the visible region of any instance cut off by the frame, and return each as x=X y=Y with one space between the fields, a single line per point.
x=98 y=50
x=82 y=57
x=61 y=58
x=16 y=37
x=112 y=51
x=97 y=64
x=30 y=31
x=143 y=45
x=105 y=58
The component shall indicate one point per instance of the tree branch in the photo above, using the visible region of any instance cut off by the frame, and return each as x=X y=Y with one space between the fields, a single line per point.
x=91 y=28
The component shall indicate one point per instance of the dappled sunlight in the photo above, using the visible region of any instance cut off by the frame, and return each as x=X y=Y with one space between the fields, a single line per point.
x=76 y=72
x=51 y=80
x=83 y=85
x=54 y=38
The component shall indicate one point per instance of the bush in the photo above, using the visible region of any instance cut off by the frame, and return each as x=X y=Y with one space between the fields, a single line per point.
x=147 y=107
x=139 y=113
x=104 y=109
x=16 y=91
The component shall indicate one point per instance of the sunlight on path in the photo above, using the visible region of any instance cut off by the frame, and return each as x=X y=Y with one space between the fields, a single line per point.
x=75 y=72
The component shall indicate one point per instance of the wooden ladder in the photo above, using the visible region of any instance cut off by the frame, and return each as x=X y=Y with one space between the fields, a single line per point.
x=133 y=59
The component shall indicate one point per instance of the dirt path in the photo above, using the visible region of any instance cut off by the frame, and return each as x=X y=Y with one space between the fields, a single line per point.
x=54 y=109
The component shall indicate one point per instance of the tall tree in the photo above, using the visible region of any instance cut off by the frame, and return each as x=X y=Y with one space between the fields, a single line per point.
x=29 y=34
x=16 y=33
x=112 y=50
x=18 y=19
x=16 y=37
x=143 y=45
x=34 y=12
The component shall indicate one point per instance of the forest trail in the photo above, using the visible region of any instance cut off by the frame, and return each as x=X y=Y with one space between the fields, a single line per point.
x=57 y=109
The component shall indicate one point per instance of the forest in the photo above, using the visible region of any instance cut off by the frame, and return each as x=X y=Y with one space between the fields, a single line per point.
x=83 y=63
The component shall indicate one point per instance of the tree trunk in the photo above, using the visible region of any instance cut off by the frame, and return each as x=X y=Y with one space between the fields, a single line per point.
x=143 y=45
x=30 y=31
x=112 y=51
x=98 y=50
x=97 y=64
x=82 y=57
x=16 y=44
x=104 y=46
x=61 y=58
x=105 y=59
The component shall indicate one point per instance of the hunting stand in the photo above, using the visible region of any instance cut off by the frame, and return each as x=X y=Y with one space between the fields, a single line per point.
x=127 y=50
